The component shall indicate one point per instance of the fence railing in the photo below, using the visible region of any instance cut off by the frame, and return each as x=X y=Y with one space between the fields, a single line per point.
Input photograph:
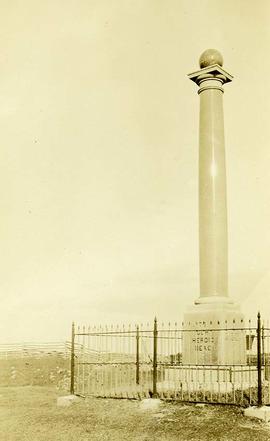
x=147 y=361
x=34 y=349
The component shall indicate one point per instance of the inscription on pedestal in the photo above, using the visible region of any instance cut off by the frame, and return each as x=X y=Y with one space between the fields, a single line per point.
x=219 y=345
x=203 y=341
x=200 y=347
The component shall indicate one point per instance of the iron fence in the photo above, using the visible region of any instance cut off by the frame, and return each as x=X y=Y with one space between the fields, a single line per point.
x=147 y=361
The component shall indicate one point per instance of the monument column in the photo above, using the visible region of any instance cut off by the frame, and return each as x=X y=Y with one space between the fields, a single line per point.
x=212 y=179
x=213 y=310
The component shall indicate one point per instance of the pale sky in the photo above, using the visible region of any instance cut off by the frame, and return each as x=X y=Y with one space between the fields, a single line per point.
x=99 y=159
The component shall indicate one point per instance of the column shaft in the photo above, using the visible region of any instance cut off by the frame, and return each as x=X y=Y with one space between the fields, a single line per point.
x=212 y=193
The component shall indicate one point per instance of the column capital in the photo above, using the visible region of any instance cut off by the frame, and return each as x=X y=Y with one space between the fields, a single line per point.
x=214 y=72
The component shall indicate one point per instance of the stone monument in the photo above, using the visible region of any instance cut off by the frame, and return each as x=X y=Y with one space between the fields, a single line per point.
x=212 y=332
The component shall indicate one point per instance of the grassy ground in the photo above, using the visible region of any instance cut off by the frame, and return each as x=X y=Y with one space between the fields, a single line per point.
x=50 y=370
x=30 y=413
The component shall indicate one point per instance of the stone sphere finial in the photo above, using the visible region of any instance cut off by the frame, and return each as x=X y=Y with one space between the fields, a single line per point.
x=210 y=57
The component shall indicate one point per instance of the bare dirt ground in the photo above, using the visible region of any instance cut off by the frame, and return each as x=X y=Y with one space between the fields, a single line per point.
x=30 y=413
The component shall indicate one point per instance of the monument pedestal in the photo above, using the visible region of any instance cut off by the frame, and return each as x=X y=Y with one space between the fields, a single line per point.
x=213 y=379
x=213 y=334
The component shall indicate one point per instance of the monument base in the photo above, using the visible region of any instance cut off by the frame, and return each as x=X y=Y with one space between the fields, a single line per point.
x=214 y=334
x=209 y=378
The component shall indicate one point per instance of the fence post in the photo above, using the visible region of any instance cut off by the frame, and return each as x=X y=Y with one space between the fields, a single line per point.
x=263 y=353
x=72 y=359
x=259 y=360
x=155 y=334
x=137 y=355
